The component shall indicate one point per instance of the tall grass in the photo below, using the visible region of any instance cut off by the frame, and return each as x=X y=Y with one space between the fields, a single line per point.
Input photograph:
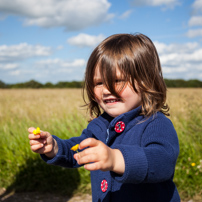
x=58 y=111
x=186 y=110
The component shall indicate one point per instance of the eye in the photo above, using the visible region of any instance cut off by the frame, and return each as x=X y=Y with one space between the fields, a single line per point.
x=98 y=83
x=120 y=80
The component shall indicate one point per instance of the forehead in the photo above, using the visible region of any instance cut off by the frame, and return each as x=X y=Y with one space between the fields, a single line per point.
x=98 y=74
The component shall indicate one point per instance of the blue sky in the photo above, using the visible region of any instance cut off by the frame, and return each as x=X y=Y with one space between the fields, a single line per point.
x=51 y=40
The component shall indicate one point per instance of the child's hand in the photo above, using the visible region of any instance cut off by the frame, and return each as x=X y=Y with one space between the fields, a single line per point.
x=43 y=143
x=100 y=157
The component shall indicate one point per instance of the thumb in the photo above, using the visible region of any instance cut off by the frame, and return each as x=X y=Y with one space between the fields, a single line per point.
x=44 y=134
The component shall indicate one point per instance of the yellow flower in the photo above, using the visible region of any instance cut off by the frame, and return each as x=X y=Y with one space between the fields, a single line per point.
x=75 y=147
x=36 y=131
x=193 y=164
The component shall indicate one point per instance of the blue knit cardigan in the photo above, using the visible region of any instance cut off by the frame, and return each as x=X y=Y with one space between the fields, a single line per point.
x=150 y=149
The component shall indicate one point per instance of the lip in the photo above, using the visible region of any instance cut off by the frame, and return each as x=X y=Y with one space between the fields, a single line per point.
x=111 y=100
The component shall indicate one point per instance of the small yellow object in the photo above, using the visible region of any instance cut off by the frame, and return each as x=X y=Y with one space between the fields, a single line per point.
x=36 y=131
x=75 y=147
x=193 y=164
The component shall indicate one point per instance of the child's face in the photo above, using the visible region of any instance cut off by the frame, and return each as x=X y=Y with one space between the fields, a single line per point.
x=109 y=103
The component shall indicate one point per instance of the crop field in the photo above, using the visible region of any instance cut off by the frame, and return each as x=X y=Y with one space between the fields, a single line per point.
x=60 y=112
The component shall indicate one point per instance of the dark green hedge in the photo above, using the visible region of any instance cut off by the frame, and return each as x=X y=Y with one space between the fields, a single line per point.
x=171 y=83
x=35 y=84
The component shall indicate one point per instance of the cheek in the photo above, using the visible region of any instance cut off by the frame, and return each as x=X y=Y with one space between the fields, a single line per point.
x=130 y=95
x=126 y=93
x=97 y=93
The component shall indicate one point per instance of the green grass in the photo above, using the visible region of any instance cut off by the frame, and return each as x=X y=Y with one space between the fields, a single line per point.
x=20 y=168
x=57 y=111
x=188 y=175
x=23 y=170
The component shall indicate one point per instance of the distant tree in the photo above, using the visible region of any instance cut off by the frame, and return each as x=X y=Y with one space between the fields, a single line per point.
x=17 y=85
x=2 y=84
x=180 y=83
x=48 y=85
x=170 y=83
x=76 y=84
x=29 y=84
x=61 y=84
x=73 y=84
x=194 y=83
x=33 y=84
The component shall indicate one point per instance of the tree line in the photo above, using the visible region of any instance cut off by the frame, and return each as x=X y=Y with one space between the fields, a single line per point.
x=171 y=83
x=35 y=84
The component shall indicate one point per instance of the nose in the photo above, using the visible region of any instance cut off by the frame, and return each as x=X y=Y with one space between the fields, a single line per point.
x=105 y=90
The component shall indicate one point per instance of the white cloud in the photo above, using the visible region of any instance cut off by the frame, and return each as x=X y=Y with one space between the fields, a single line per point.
x=180 y=60
x=71 y=14
x=55 y=70
x=179 y=48
x=49 y=70
x=197 y=6
x=165 y=3
x=126 y=14
x=15 y=73
x=195 y=21
x=61 y=65
x=170 y=70
x=9 y=66
x=83 y=40
x=60 y=47
x=22 y=51
x=194 y=33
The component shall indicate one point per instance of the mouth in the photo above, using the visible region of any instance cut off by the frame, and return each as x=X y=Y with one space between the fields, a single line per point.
x=112 y=100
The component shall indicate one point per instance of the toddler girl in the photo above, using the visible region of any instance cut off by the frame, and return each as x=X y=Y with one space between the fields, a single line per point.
x=130 y=146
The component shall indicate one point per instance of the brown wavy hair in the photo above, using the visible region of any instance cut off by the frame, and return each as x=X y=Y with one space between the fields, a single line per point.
x=137 y=59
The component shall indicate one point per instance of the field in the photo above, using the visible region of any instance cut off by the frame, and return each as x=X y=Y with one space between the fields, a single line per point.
x=60 y=112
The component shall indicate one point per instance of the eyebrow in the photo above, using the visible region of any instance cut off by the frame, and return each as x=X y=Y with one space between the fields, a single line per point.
x=97 y=78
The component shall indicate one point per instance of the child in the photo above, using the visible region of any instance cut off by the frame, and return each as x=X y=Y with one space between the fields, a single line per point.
x=130 y=146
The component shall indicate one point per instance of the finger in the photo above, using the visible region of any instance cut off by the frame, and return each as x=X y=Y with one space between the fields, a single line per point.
x=87 y=151
x=87 y=159
x=37 y=147
x=30 y=130
x=44 y=134
x=92 y=166
x=76 y=157
x=34 y=142
x=89 y=142
x=33 y=137
x=88 y=155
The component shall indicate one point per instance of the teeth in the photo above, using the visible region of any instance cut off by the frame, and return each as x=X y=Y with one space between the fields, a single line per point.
x=111 y=101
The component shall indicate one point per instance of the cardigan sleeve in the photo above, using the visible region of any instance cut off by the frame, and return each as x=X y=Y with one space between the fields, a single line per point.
x=154 y=159
x=64 y=156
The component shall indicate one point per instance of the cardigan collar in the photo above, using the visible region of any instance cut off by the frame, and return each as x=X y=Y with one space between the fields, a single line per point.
x=106 y=124
x=125 y=117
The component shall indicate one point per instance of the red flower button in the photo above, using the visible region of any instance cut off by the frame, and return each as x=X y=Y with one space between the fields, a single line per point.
x=104 y=185
x=119 y=127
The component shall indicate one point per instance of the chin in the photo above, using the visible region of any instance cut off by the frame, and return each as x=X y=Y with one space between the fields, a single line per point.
x=114 y=115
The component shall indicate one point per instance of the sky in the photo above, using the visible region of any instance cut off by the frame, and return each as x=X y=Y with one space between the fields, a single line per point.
x=51 y=40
